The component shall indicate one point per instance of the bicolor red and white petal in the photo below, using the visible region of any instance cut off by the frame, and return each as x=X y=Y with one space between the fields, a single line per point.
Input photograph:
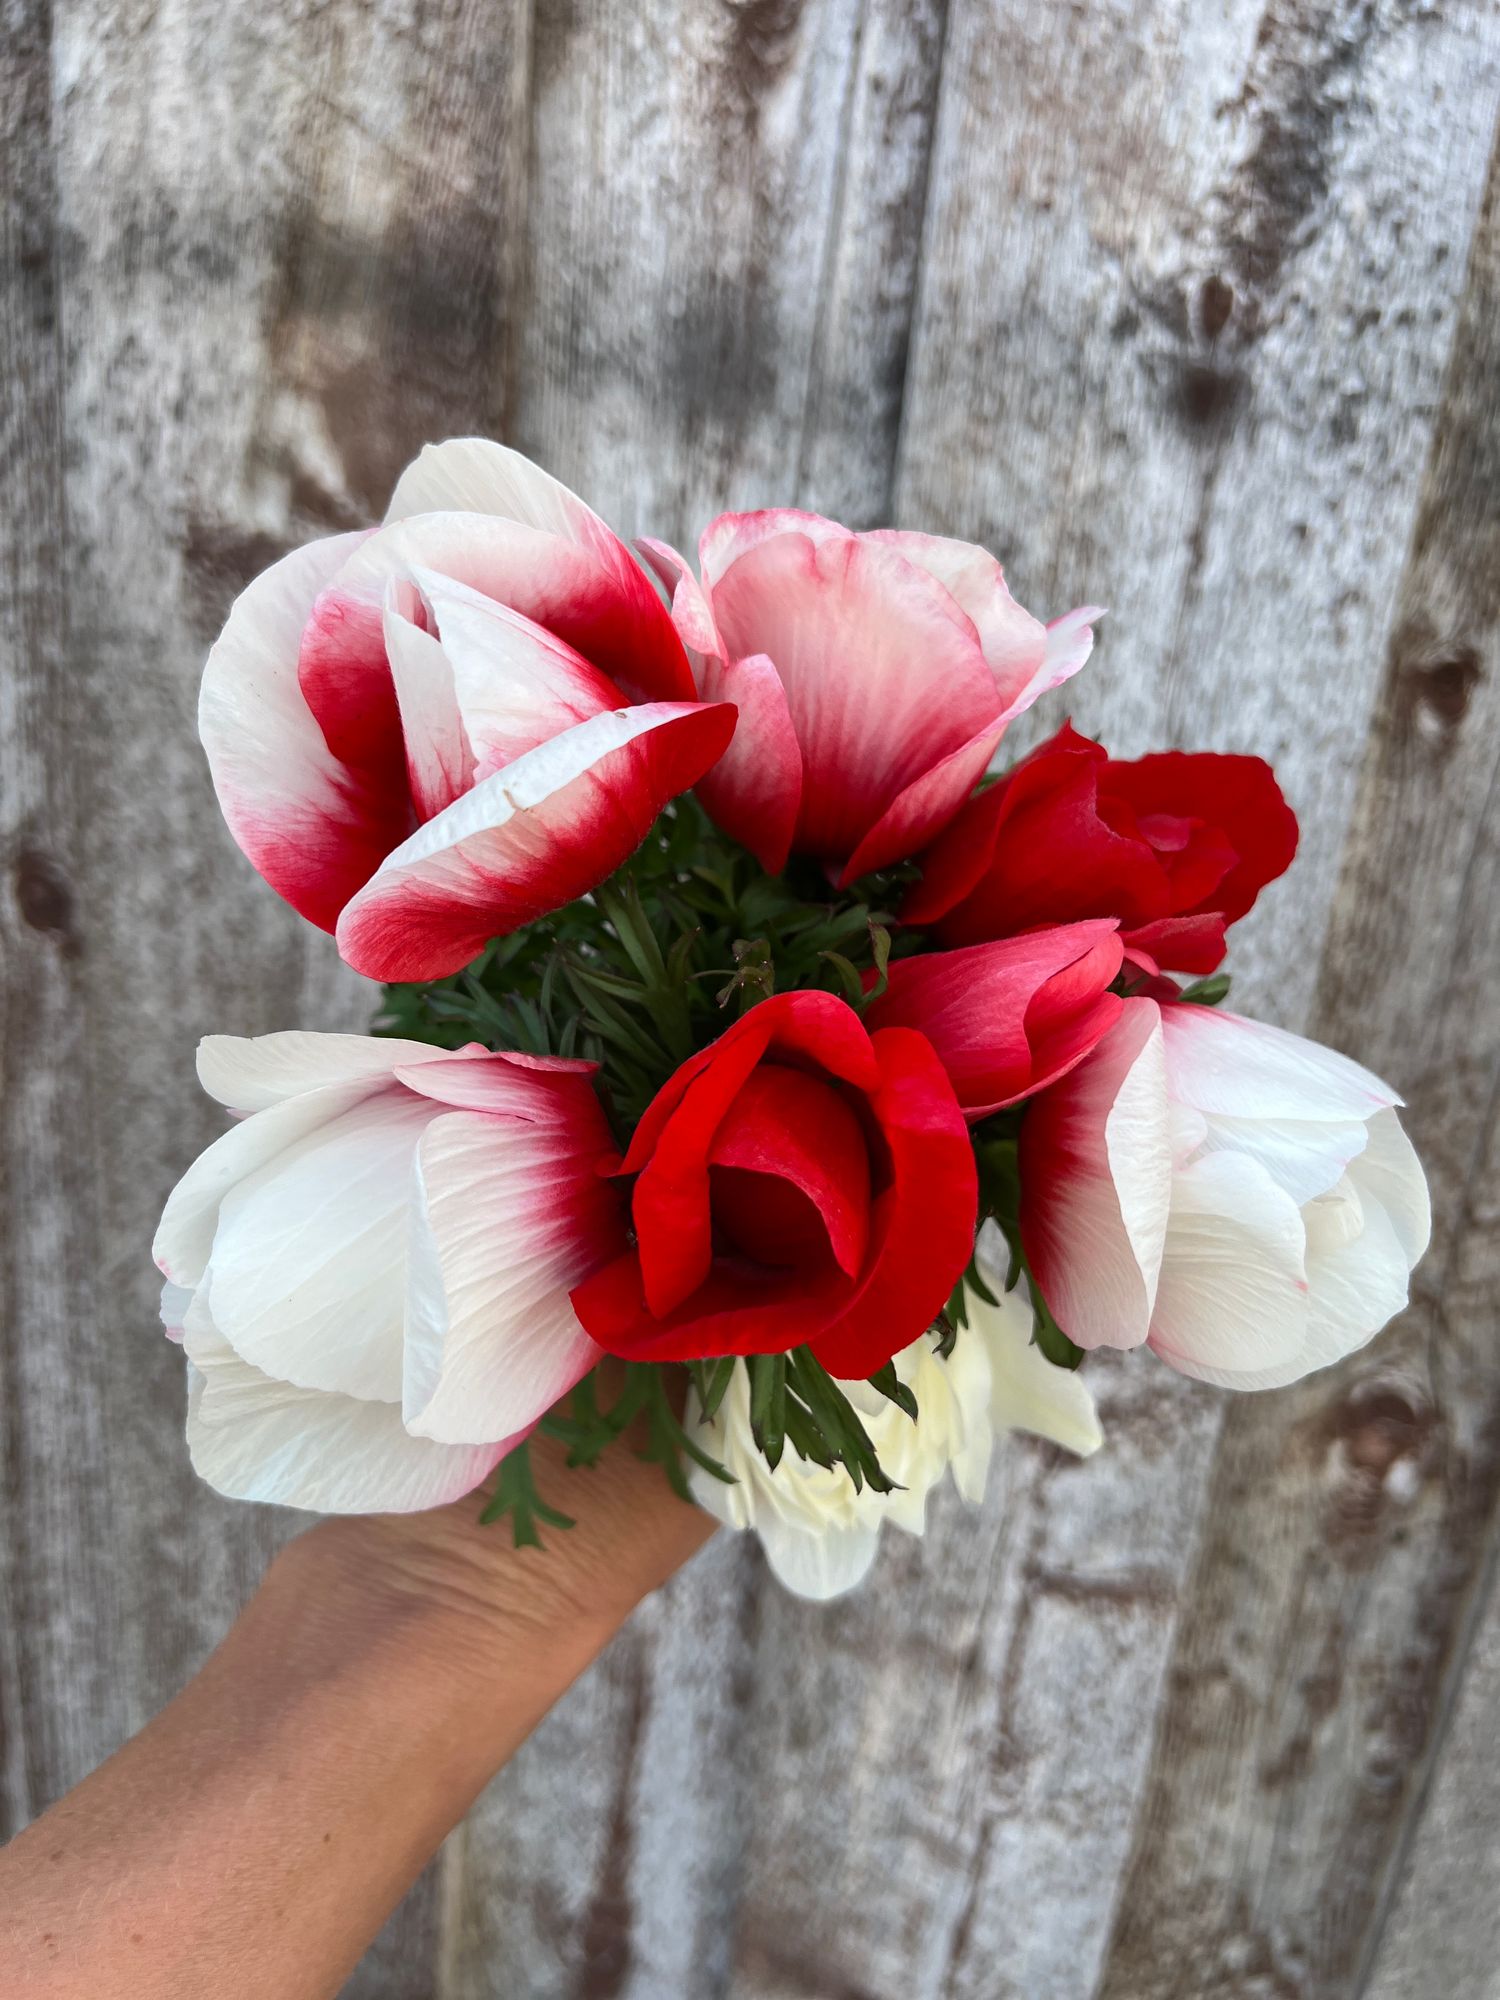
x=431 y=733
x=874 y=674
x=369 y=1272
x=1243 y=1199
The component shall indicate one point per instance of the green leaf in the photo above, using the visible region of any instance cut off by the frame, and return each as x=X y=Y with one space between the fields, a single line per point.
x=1049 y=1336
x=890 y=1385
x=1207 y=992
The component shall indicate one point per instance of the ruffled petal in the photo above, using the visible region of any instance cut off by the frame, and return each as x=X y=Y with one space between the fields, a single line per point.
x=252 y=1072
x=544 y=830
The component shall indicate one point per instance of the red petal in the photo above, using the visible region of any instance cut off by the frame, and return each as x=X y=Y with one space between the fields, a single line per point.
x=1185 y=944
x=922 y=1233
x=542 y=831
x=1009 y=1016
x=786 y=1128
x=670 y=1146
x=1240 y=795
x=1049 y=856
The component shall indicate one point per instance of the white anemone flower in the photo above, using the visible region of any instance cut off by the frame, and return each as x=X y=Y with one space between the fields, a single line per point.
x=819 y=1534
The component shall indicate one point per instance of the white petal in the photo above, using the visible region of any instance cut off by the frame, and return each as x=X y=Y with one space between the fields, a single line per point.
x=185 y=1233
x=1357 y=1286
x=819 y=1565
x=1390 y=1170
x=1096 y=1166
x=439 y=758
x=251 y=1072
x=1029 y=1392
x=1232 y=1304
x=309 y=1259
x=516 y=684
x=478 y=476
x=1234 y=1068
x=175 y=1302
x=256 y=1439
x=511 y=1215
x=1306 y=1156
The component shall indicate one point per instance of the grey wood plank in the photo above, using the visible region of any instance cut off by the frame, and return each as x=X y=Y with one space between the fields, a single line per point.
x=1349 y=1522
x=1443 y=1934
x=59 y=1617
x=281 y=257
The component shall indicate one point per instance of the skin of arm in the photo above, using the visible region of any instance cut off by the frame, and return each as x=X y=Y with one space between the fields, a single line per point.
x=254 y=1837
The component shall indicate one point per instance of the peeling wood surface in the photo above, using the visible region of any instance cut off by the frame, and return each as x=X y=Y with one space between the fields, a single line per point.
x=1189 y=310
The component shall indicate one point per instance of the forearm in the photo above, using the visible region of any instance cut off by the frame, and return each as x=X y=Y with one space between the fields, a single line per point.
x=254 y=1837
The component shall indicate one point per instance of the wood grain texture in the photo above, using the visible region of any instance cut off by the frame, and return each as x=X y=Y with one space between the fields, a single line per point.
x=1347 y=1523
x=1189 y=310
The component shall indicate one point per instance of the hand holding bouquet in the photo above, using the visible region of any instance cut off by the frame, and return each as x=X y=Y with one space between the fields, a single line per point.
x=737 y=1021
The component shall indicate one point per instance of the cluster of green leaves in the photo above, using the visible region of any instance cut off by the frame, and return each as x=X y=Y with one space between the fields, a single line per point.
x=690 y=934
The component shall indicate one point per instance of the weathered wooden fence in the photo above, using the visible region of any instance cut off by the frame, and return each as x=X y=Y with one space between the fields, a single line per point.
x=1190 y=309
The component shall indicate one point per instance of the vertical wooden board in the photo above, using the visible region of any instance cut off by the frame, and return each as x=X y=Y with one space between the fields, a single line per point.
x=1347 y=1520
x=282 y=247
x=686 y=164
x=1443 y=1934
x=58 y=1610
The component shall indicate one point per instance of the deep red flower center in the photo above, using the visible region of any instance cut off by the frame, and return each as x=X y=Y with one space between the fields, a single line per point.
x=789 y=1173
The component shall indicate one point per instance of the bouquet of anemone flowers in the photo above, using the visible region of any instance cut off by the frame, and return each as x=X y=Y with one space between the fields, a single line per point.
x=740 y=1019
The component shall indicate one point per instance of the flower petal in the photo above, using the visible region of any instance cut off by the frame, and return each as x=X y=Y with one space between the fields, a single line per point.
x=925 y=806
x=1228 y=1066
x=1008 y=1017
x=1015 y=643
x=541 y=832
x=729 y=537
x=307 y=1269
x=922 y=1228
x=1389 y=1170
x=516 y=684
x=511 y=1212
x=630 y=637
x=251 y=1072
x=185 y=1234
x=884 y=675
x=253 y=1438
x=1096 y=1179
x=1232 y=1301
x=439 y=756
x=313 y=830
x=1029 y=1392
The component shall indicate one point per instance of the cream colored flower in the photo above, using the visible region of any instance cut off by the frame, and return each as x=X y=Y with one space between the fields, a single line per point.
x=818 y=1533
